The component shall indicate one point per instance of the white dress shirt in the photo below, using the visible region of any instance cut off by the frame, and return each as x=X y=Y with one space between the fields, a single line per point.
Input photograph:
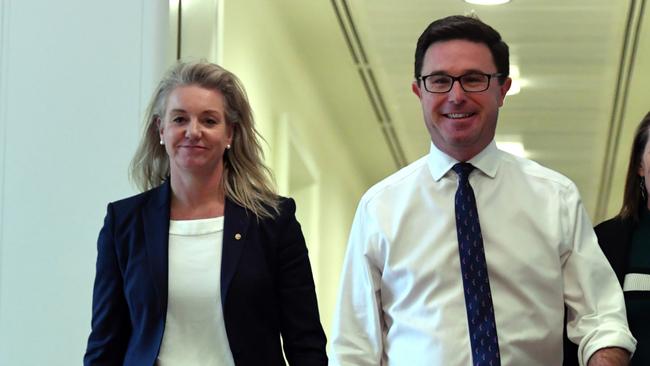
x=401 y=298
x=195 y=332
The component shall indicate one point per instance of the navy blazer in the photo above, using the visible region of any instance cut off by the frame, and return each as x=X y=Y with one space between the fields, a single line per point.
x=614 y=237
x=267 y=288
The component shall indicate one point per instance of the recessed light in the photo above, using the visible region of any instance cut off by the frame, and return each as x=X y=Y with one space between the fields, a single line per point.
x=515 y=87
x=513 y=147
x=487 y=2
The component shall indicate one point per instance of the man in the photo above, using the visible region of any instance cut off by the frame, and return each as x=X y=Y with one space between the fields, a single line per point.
x=425 y=282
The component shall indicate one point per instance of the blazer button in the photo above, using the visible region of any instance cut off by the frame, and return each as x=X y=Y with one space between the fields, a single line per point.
x=237 y=236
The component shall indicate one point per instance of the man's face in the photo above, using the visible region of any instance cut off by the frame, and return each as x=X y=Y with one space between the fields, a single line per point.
x=461 y=124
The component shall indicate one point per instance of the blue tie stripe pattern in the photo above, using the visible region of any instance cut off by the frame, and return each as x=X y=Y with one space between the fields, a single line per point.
x=476 y=284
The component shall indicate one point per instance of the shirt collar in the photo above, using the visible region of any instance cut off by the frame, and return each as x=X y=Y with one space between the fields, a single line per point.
x=487 y=161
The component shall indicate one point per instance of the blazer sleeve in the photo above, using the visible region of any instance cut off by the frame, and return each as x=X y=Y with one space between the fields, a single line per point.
x=302 y=334
x=614 y=237
x=111 y=329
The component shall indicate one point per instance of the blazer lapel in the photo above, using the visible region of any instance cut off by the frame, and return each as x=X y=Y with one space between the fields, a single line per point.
x=236 y=221
x=156 y=237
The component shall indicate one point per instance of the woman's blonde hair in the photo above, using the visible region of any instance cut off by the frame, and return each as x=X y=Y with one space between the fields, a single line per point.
x=246 y=180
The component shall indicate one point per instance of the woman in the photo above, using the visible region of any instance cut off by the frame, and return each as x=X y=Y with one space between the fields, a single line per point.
x=625 y=240
x=208 y=266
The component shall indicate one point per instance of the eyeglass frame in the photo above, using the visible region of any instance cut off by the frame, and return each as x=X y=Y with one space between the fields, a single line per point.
x=457 y=78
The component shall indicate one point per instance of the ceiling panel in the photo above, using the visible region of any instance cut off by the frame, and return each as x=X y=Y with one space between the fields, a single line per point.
x=568 y=55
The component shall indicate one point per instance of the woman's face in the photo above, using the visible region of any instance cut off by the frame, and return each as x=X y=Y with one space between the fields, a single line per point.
x=644 y=169
x=195 y=131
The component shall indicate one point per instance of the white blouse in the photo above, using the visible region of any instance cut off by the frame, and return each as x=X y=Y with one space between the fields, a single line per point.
x=195 y=332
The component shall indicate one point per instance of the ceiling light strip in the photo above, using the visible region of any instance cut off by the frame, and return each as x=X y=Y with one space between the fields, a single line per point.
x=373 y=91
x=626 y=67
x=373 y=82
x=179 y=30
x=353 y=27
x=345 y=33
x=394 y=150
x=487 y=2
x=388 y=122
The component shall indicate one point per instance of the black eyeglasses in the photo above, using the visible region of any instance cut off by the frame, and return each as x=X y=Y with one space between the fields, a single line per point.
x=442 y=83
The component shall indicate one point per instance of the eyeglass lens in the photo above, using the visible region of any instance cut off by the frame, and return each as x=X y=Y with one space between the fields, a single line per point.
x=469 y=82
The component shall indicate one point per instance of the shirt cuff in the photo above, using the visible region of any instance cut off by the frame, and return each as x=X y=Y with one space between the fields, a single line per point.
x=607 y=335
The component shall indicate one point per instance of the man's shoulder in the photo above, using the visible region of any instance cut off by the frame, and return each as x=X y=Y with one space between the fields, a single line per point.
x=536 y=171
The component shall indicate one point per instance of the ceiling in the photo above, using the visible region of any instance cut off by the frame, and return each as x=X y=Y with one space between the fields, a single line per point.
x=578 y=61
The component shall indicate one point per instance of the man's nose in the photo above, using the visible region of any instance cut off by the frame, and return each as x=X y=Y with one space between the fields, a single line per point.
x=456 y=94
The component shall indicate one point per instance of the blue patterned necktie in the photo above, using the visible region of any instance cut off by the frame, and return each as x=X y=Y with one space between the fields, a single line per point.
x=478 y=299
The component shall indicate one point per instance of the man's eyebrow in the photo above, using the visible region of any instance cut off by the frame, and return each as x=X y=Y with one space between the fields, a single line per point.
x=465 y=72
x=475 y=71
x=435 y=72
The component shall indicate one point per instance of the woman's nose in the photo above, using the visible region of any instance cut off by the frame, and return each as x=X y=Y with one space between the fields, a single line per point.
x=193 y=129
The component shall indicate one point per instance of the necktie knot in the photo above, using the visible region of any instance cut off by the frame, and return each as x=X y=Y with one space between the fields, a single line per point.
x=463 y=170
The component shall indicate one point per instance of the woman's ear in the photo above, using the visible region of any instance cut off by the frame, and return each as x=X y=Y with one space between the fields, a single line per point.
x=231 y=133
x=159 y=125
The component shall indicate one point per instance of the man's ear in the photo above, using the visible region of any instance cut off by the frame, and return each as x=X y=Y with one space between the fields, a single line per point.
x=416 y=89
x=503 y=90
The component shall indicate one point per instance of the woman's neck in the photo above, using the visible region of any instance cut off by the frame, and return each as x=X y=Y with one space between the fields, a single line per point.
x=196 y=197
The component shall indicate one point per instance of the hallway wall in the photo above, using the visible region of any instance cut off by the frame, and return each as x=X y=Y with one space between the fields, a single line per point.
x=74 y=80
x=290 y=112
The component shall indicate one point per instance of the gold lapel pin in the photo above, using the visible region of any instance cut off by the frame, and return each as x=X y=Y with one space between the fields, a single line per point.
x=237 y=236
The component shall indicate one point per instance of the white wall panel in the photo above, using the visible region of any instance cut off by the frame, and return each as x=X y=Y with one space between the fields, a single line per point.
x=75 y=79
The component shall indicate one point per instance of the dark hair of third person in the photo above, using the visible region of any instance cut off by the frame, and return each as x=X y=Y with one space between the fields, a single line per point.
x=632 y=198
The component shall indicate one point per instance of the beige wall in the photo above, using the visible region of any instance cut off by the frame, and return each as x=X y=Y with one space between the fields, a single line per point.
x=304 y=150
x=637 y=106
x=288 y=108
x=75 y=77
